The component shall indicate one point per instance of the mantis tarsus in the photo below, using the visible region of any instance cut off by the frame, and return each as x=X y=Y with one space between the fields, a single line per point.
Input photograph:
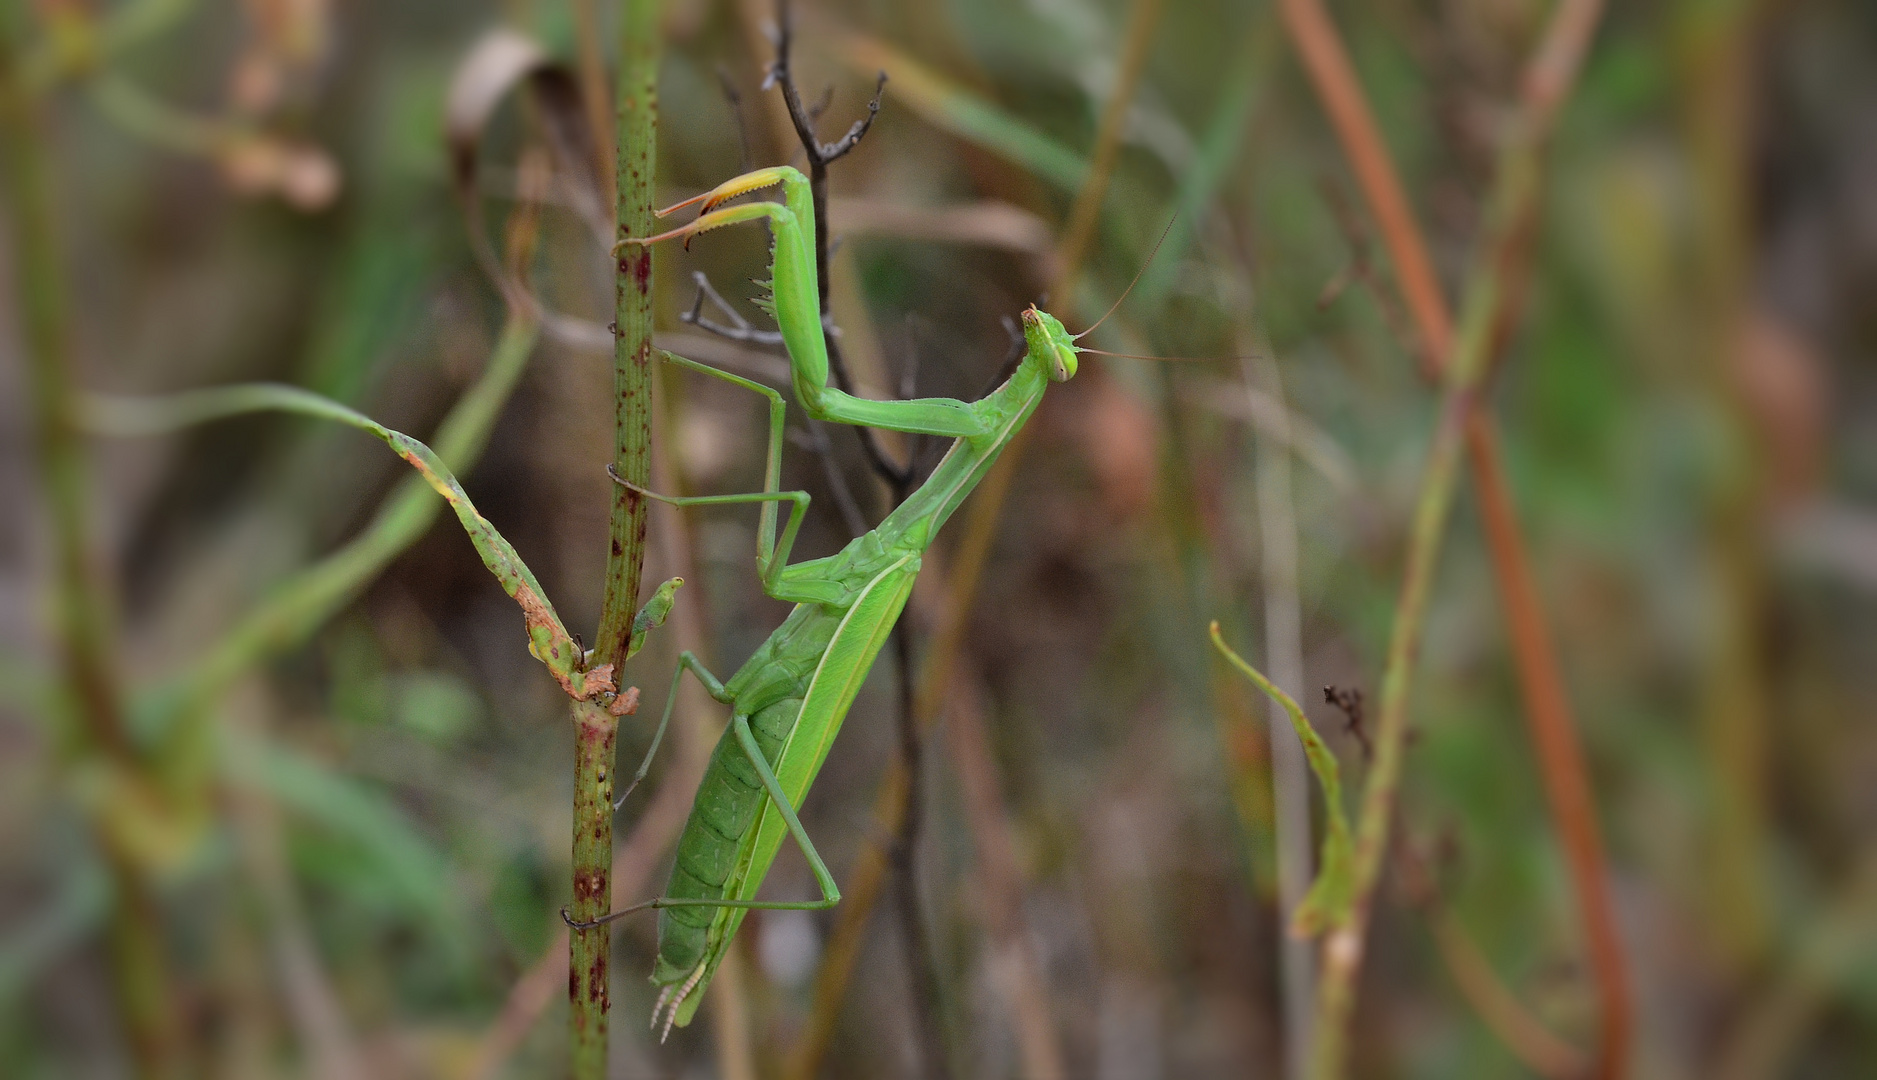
x=789 y=699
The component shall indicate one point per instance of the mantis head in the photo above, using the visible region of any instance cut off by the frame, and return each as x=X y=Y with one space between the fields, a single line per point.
x=1050 y=343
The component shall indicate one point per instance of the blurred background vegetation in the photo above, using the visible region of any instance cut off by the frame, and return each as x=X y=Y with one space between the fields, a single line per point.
x=341 y=852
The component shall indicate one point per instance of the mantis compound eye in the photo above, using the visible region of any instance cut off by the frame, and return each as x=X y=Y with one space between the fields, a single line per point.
x=1062 y=369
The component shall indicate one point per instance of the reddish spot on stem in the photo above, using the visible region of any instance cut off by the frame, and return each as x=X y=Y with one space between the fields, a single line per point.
x=597 y=732
x=596 y=980
x=589 y=884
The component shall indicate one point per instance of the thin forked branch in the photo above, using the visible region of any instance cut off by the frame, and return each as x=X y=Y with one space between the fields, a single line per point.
x=898 y=477
x=737 y=329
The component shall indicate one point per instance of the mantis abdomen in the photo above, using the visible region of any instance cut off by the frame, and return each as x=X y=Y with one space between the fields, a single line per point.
x=728 y=800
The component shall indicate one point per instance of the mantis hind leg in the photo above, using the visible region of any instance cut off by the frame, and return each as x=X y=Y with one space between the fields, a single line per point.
x=830 y=892
x=746 y=739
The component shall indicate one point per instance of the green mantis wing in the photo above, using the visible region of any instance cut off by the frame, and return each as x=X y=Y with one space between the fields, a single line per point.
x=831 y=692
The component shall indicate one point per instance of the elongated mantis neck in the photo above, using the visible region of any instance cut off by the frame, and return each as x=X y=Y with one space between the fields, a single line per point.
x=1005 y=410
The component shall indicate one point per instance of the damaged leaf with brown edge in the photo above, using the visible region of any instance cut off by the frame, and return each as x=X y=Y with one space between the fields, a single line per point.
x=548 y=639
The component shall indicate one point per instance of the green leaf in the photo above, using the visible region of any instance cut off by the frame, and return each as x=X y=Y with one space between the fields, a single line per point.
x=653 y=614
x=548 y=639
x=1328 y=901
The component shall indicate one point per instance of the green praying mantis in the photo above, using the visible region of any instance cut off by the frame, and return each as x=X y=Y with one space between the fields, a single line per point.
x=789 y=699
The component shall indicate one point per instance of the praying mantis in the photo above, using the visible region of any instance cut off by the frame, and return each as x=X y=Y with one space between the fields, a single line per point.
x=789 y=699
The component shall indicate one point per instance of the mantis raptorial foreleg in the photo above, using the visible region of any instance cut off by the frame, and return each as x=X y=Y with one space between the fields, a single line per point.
x=797 y=308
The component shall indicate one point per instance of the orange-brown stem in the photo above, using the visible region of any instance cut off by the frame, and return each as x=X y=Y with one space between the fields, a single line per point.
x=1548 y=80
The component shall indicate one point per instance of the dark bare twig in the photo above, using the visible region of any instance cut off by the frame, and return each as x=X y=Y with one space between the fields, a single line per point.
x=739 y=328
x=815 y=438
x=1350 y=703
x=898 y=477
x=899 y=480
x=735 y=100
x=904 y=853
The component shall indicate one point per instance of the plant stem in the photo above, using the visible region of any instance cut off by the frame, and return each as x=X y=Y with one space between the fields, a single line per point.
x=1720 y=70
x=1343 y=947
x=634 y=179
x=1514 y=197
x=594 y=733
x=83 y=623
x=142 y=977
x=639 y=50
x=1548 y=79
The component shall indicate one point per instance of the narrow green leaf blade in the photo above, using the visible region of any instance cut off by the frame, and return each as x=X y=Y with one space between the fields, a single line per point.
x=1327 y=903
x=548 y=639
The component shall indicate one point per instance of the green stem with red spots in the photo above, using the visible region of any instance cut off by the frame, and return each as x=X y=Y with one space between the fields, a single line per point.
x=632 y=314
x=594 y=727
x=594 y=732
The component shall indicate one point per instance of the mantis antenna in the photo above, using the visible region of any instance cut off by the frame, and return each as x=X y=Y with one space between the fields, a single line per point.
x=1124 y=295
x=1172 y=359
x=1137 y=280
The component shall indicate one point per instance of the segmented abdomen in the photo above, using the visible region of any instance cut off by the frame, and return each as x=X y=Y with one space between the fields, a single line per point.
x=727 y=803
